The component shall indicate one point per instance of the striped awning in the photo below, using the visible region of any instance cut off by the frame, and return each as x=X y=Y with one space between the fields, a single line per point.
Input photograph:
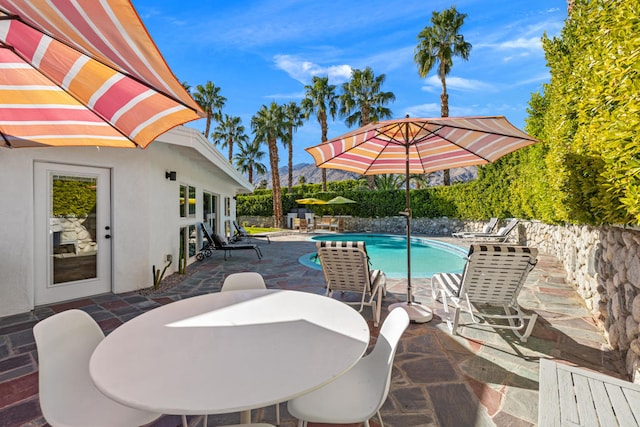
x=429 y=144
x=84 y=74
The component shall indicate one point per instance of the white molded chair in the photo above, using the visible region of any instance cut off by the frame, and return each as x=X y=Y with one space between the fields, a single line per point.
x=493 y=276
x=68 y=397
x=346 y=269
x=243 y=281
x=359 y=394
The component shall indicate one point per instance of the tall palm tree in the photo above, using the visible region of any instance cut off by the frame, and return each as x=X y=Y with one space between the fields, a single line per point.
x=438 y=44
x=269 y=125
x=294 y=116
x=321 y=100
x=211 y=102
x=228 y=132
x=248 y=159
x=362 y=101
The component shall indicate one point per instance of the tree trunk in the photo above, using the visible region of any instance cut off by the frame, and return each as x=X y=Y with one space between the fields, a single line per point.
x=275 y=183
x=444 y=107
x=371 y=182
x=324 y=179
x=322 y=118
x=444 y=112
x=290 y=186
x=207 y=126
x=230 y=144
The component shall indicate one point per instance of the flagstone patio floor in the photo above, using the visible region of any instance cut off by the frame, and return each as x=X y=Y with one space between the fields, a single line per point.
x=479 y=378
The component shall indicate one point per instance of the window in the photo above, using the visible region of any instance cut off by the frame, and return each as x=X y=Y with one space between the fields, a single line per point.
x=187 y=201
x=209 y=208
x=183 y=210
x=192 y=202
x=227 y=206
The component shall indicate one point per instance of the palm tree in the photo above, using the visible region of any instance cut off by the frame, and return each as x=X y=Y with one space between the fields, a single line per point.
x=388 y=181
x=420 y=180
x=363 y=102
x=320 y=99
x=211 y=102
x=228 y=132
x=439 y=44
x=294 y=117
x=269 y=125
x=248 y=159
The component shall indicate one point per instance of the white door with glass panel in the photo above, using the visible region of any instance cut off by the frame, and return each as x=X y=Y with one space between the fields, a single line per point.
x=72 y=232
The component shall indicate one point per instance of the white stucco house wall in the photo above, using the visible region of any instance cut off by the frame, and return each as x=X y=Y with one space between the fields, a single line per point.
x=140 y=221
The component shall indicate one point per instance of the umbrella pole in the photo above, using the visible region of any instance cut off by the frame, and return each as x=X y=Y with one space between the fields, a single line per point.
x=407 y=212
x=417 y=313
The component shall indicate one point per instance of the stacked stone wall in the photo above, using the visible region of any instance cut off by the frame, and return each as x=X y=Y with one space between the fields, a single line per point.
x=603 y=264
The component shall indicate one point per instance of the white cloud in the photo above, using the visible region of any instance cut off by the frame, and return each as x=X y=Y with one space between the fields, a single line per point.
x=423 y=110
x=303 y=71
x=456 y=83
x=294 y=95
x=531 y=43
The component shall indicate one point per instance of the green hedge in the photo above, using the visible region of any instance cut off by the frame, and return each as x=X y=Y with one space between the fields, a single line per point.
x=429 y=202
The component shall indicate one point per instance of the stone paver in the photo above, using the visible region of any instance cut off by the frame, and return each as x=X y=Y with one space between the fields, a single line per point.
x=480 y=378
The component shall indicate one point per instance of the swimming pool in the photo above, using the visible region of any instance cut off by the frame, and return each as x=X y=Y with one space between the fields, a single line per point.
x=389 y=253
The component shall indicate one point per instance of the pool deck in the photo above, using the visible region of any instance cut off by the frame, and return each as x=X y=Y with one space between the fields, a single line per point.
x=480 y=378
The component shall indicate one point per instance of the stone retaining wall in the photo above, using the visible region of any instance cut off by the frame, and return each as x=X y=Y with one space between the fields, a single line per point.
x=602 y=263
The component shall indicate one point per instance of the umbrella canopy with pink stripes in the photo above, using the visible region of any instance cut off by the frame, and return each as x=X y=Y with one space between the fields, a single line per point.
x=418 y=146
x=429 y=145
x=84 y=73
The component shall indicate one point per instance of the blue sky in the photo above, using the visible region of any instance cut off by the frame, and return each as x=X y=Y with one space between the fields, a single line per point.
x=263 y=51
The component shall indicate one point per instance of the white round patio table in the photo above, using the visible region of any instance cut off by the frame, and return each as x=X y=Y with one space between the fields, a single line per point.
x=229 y=351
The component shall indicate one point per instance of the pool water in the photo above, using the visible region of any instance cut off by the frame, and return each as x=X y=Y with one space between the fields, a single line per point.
x=389 y=254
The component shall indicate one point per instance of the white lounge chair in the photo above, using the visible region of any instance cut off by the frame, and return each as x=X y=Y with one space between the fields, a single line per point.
x=500 y=236
x=493 y=276
x=487 y=229
x=346 y=269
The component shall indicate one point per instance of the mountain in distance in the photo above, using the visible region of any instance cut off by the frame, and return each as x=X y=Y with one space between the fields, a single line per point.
x=313 y=175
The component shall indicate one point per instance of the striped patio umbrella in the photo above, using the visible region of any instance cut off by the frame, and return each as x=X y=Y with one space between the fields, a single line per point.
x=419 y=146
x=84 y=74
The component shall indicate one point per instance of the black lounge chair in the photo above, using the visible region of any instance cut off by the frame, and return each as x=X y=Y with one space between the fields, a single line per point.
x=241 y=232
x=219 y=243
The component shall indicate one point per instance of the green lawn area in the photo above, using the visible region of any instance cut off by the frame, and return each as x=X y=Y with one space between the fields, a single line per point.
x=259 y=230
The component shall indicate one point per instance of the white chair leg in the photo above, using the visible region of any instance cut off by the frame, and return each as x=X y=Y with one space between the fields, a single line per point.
x=277 y=414
x=380 y=419
x=456 y=319
x=377 y=308
x=184 y=421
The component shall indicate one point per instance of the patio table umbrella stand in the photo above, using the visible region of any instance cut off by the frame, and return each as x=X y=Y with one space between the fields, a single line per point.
x=420 y=146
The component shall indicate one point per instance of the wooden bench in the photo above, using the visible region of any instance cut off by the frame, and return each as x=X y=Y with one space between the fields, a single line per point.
x=571 y=396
